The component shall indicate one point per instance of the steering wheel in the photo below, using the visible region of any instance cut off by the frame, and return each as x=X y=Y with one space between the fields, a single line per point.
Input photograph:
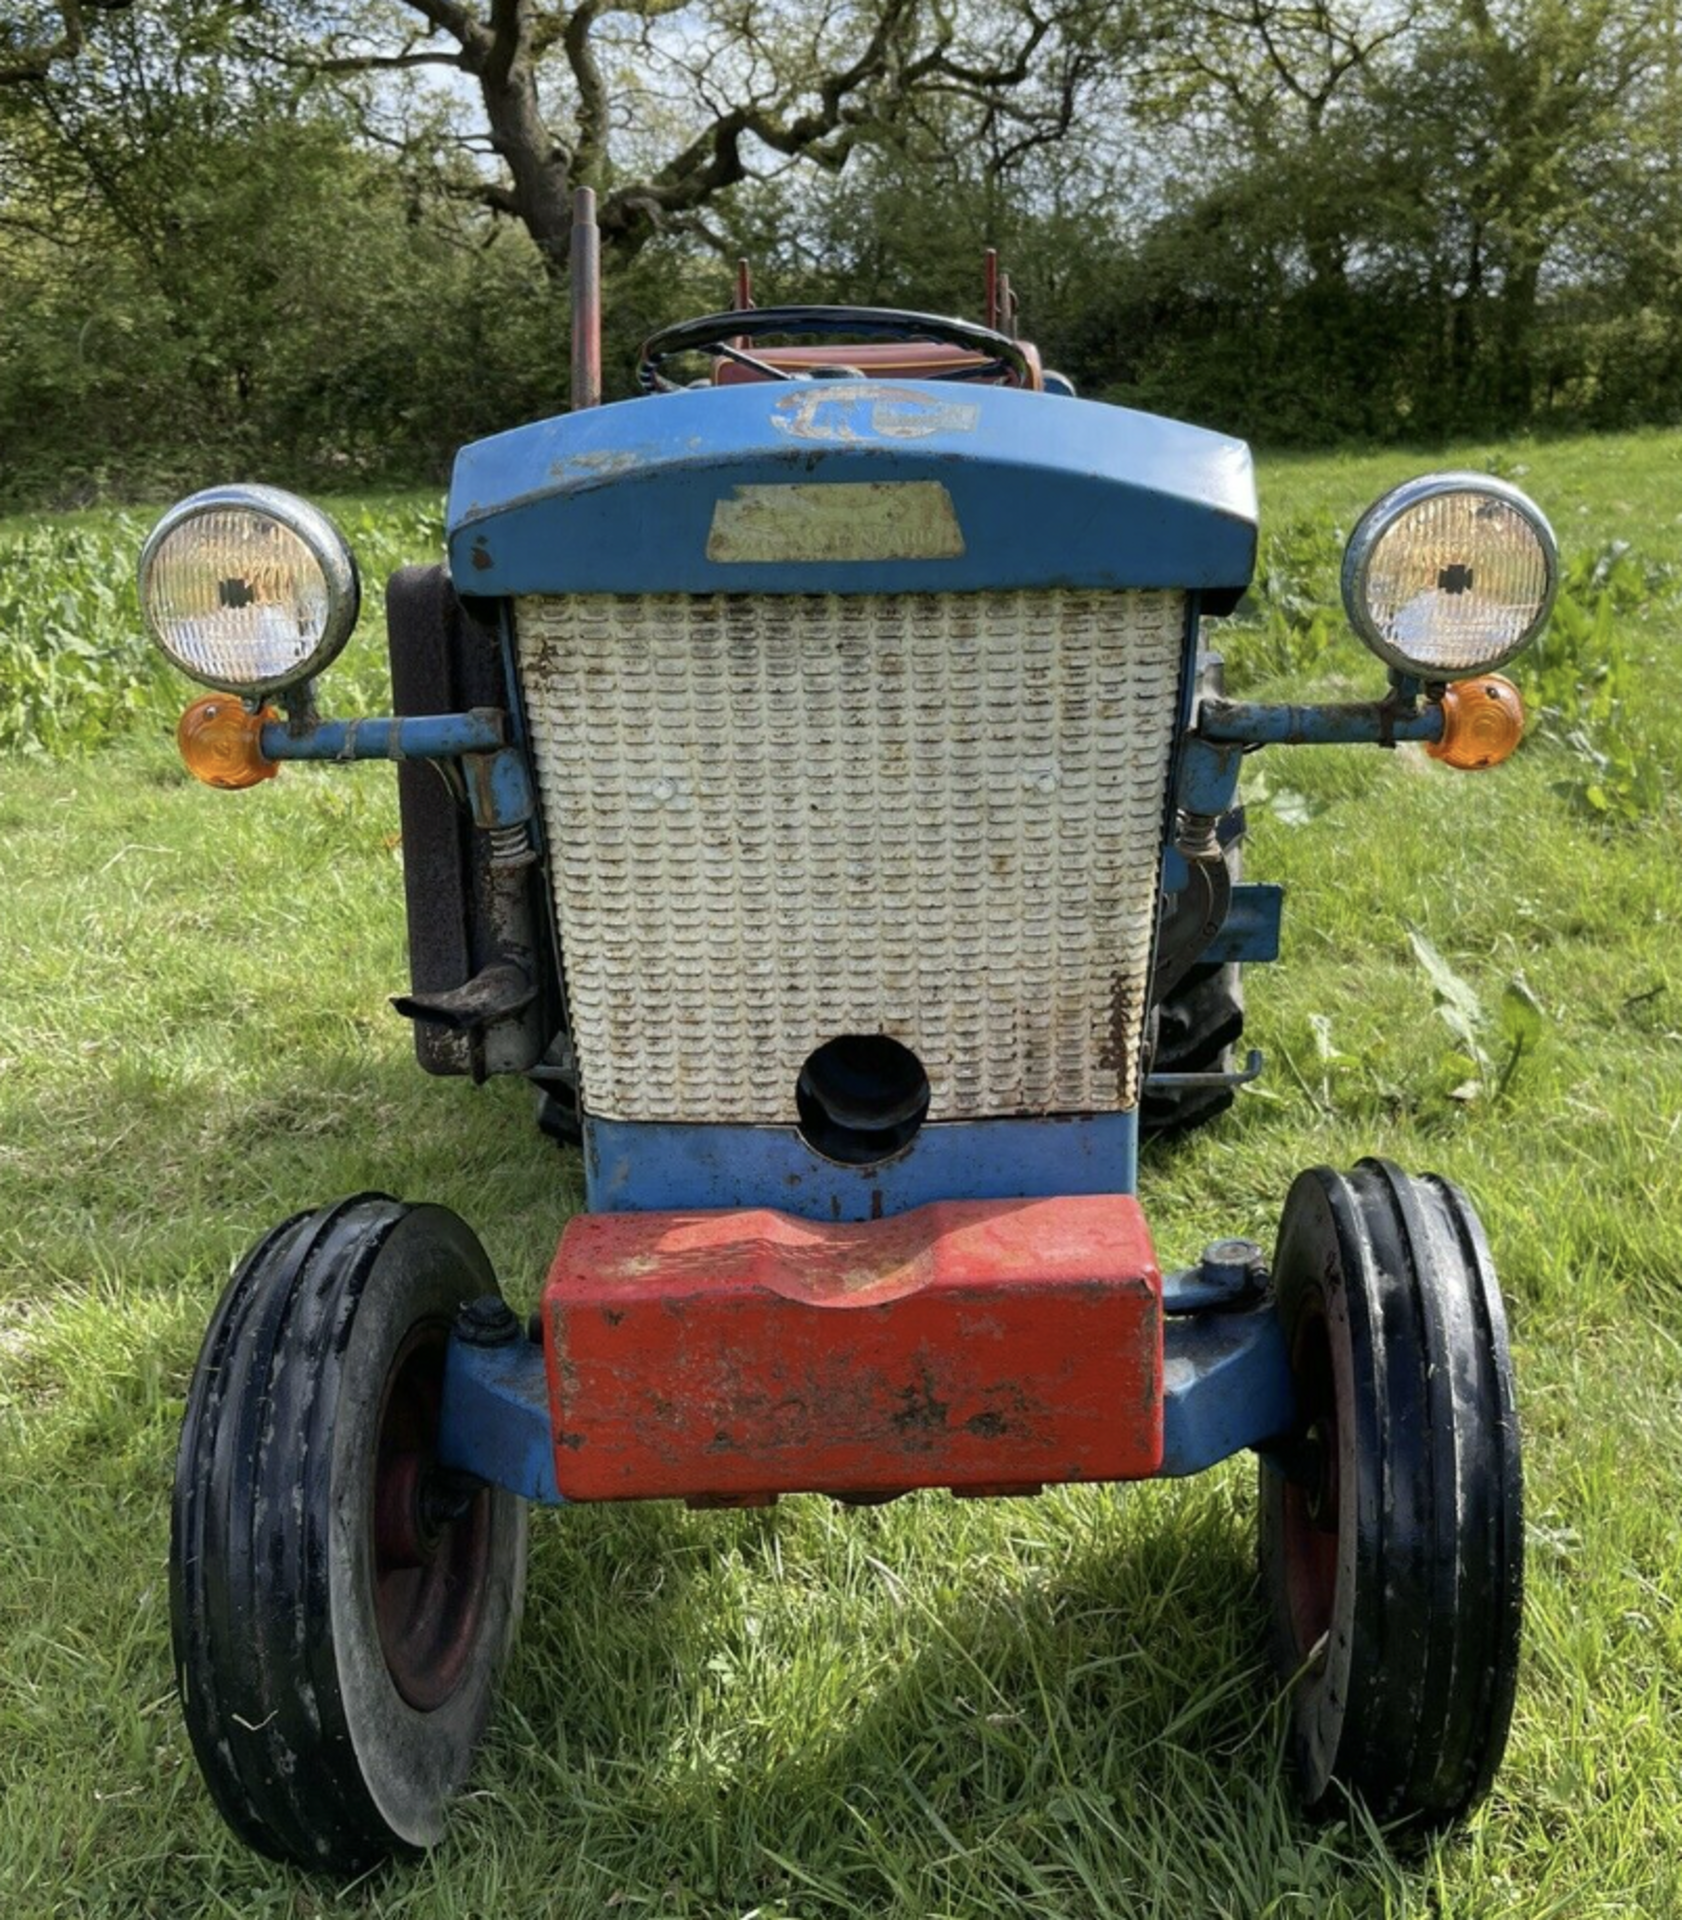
x=717 y=333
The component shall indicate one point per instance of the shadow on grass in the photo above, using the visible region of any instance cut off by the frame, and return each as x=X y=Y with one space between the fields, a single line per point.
x=1049 y=1706
x=1090 y=1735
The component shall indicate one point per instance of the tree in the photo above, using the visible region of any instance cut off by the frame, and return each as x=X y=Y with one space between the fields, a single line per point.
x=1510 y=130
x=33 y=45
x=1282 y=79
x=663 y=106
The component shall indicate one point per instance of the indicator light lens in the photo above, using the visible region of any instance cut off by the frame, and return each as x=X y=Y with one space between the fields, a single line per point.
x=1483 y=721
x=221 y=743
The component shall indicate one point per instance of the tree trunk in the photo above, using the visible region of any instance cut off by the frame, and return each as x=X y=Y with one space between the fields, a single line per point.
x=541 y=190
x=1463 y=337
x=1515 y=339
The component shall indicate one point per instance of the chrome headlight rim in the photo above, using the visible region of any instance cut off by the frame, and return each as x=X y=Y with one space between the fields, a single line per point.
x=319 y=534
x=1383 y=514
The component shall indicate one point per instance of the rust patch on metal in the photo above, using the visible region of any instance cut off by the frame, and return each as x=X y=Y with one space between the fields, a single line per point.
x=921 y=1412
x=1119 y=1054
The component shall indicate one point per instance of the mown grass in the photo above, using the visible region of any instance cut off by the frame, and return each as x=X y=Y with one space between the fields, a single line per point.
x=936 y=1708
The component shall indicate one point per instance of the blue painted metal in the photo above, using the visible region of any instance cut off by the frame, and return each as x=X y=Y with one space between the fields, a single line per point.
x=1226 y=1385
x=1046 y=492
x=433 y=736
x=499 y=788
x=495 y=1417
x=1206 y=779
x=643 y=1166
x=1361 y=723
x=1216 y=1281
x=1210 y=758
x=1250 y=931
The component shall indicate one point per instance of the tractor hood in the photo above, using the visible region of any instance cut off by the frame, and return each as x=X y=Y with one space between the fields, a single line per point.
x=852 y=486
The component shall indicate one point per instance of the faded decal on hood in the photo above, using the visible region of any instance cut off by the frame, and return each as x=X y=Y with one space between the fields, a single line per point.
x=841 y=520
x=835 y=411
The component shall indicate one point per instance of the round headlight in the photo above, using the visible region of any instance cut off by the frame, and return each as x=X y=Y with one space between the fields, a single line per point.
x=1450 y=575
x=248 y=589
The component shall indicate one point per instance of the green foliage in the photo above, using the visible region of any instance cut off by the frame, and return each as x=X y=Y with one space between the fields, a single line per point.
x=246 y=293
x=76 y=663
x=1580 y=679
x=1470 y=1071
x=1292 y=617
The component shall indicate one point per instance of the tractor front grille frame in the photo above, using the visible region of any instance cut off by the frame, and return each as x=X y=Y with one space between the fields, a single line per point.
x=773 y=820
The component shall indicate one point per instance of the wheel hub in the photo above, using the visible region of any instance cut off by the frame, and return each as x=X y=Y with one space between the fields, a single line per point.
x=1319 y=1475
x=431 y=1534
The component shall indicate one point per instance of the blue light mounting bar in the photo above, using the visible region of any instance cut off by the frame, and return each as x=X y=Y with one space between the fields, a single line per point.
x=496 y=777
x=432 y=736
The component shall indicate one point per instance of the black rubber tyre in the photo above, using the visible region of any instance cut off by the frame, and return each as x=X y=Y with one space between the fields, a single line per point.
x=1393 y=1556
x=1198 y=1026
x=557 y=1117
x=340 y=1615
x=1198 y=1029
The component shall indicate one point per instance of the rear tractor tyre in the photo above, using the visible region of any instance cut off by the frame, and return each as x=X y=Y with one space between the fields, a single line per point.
x=557 y=1117
x=1392 y=1525
x=1198 y=1029
x=341 y=1608
x=1198 y=1026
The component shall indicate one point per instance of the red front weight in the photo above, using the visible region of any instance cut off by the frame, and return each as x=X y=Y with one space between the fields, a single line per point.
x=994 y=1344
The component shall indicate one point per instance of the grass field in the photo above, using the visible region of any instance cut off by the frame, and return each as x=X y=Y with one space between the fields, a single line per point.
x=936 y=1708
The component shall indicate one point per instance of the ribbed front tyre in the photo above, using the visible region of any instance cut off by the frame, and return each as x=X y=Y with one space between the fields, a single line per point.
x=341 y=1607
x=1392 y=1527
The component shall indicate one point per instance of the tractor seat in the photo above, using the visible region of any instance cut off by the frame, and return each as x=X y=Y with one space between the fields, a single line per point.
x=879 y=360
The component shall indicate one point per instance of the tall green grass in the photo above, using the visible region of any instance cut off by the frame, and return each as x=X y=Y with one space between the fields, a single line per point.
x=76 y=665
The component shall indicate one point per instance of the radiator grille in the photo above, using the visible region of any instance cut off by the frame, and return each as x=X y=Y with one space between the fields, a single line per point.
x=777 y=819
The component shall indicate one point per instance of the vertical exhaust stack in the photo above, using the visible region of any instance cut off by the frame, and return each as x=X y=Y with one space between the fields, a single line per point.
x=586 y=263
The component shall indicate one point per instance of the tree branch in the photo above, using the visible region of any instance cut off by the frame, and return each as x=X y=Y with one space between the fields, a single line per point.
x=36 y=63
x=592 y=89
x=343 y=63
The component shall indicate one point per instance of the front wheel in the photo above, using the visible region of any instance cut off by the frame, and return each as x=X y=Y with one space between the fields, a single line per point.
x=341 y=1607
x=1392 y=1527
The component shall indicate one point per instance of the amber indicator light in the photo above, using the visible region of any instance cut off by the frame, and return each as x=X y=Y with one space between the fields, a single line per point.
x=1483 y=721
x=221 y=742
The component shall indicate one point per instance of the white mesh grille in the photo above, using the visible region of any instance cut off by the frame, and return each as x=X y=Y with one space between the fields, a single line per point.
x=774 y=820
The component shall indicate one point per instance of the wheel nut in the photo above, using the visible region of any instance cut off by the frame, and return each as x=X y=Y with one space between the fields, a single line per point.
x=487 y=1322
x=1234 y=1268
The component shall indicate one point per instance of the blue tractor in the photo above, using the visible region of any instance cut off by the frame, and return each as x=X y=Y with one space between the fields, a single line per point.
x=816 y=780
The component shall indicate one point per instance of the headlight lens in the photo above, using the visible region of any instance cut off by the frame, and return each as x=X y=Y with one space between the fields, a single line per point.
x=1450 y=575
x=248 y=589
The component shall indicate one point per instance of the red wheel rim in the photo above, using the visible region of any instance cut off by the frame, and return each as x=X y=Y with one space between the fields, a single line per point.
x=430 y=1571
x=1311 y=1510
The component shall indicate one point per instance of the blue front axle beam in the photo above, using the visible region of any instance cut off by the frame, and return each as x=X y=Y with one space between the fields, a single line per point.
x=1226 y=1385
